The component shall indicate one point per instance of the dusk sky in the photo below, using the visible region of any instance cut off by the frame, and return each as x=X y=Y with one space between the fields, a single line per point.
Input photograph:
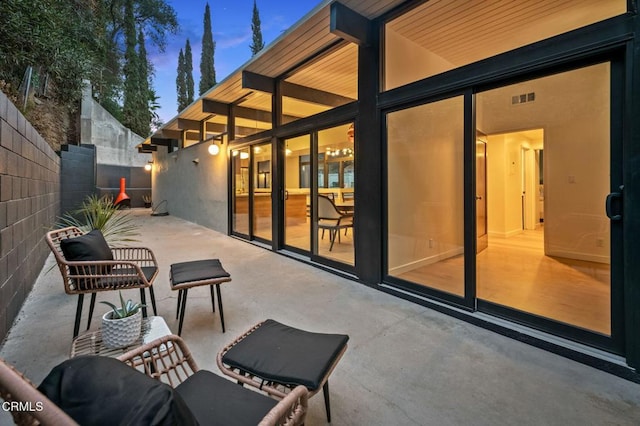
x=231 y=26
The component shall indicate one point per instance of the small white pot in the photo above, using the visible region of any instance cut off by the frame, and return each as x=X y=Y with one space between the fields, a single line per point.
x=121 y=332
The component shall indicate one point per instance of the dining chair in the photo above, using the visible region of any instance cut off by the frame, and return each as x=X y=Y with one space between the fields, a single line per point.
x=329 y=217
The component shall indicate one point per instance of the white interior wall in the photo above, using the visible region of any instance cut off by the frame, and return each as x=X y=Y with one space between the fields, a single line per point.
x=573 y=109
x=425 y=184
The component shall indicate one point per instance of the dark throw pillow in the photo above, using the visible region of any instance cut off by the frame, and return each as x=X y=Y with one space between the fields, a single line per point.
x=90 y=246
x=104 y=391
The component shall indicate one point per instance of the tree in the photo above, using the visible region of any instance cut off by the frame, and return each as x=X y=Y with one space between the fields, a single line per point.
x=68 y=42
x=188 y=67
x=181 y=83
x=154 y=17
x=258 y=43
x=147 y=93
x=207 y=69
x=57 y=40
x=135 y=95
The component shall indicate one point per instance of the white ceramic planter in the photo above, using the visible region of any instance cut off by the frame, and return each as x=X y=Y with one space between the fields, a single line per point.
x=121 y=332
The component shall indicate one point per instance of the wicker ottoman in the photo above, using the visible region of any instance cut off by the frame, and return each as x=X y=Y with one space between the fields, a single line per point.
x=275 y=358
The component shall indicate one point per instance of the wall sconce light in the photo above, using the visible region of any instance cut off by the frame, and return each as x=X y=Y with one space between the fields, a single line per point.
x=148 y=166
x=214 y=149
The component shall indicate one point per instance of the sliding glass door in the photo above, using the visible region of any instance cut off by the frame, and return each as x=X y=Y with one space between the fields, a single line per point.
x=251 y=185
x=297 y=194
x=549 y=173
x=525 y=192
x=425 y=195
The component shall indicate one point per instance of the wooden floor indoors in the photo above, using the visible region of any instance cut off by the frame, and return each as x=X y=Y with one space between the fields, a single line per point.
x=515 y=272
x=512 y=272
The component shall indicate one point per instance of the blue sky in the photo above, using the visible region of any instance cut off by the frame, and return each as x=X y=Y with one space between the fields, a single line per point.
x=231 y=26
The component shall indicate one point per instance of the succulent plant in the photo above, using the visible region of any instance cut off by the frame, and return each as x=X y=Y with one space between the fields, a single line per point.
x=125 y=310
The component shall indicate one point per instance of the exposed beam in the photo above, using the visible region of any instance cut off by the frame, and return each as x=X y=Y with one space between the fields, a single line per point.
x=266 y=84
x=171 y=134
x=169 y=143
x=216 y=128
x=164 y=141
x=215 y=107
x=251 y=80
x=350 y=25
x=252 y=114
x=192 y=136
x=147 y=148
x=185 y=124
x=313 y=95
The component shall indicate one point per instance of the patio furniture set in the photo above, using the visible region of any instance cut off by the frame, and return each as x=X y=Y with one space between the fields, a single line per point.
x=283 y=365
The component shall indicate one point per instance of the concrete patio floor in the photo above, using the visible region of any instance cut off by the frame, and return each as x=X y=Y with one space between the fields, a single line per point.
x=405 y=365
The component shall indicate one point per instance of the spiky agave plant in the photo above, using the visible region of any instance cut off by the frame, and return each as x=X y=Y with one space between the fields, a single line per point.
x=101 y=213
x=125 y=310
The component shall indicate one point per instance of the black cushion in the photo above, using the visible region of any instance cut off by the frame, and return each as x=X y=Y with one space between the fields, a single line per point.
x=104 y=391
x=217 y=401
x=90 y=246
x=197 y=270
x=287 y=355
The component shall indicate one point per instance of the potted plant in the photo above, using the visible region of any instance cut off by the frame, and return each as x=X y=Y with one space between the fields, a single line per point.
x=121 y=326
x=147 y=200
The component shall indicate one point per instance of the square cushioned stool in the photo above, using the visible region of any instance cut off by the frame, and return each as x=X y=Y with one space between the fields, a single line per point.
x=275 y=358
x=186 y=275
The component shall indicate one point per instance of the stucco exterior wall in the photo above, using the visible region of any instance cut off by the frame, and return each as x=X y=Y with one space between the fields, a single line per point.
x=116 y=153
x=115 y=144
x=192 y=185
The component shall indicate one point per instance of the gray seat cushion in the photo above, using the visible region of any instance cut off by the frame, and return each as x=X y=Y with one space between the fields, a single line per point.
x=286 y=355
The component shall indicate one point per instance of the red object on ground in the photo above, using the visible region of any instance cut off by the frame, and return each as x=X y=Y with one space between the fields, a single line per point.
x=123 y=199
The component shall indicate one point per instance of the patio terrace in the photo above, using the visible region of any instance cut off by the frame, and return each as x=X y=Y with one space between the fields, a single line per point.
x=405 y=365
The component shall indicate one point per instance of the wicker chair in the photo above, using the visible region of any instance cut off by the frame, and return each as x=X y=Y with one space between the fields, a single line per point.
x=27 y=405
x=131 y=267
x=208 y=395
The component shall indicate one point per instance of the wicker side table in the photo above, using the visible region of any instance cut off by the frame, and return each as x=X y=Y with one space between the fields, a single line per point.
x=90 y=342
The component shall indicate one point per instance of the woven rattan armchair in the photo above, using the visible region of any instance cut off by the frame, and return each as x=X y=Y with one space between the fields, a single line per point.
x=131 y=267
x=28 y=405
x=209 y=396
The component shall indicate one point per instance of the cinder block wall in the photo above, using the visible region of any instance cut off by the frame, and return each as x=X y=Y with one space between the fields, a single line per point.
x=29 y=205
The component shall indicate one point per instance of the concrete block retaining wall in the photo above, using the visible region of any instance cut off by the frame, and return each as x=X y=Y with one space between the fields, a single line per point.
x=29 y=205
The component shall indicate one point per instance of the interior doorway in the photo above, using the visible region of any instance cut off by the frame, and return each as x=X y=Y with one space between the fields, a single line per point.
x=548 y=252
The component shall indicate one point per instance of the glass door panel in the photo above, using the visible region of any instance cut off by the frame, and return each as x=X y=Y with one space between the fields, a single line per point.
x=426 y=195
x=261 y=174
x=549 y=239
x=335 y=183
x=240 y=190
x=297 y=200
